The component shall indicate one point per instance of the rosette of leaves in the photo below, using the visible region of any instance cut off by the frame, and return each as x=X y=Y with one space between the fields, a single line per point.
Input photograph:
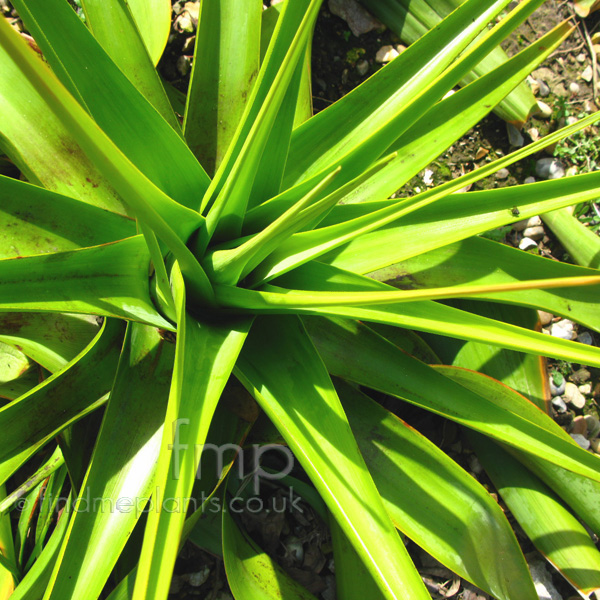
x=148 y=262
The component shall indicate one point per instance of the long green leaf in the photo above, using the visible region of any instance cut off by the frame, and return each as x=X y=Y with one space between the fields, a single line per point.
x=556 y=533
x=476 y=260
x=225 y=67
x=33 y=419
x=127 y=50
x=401 y=17
x=172 y=222
x=323 y=443
x=452 y=218
x=109 y=280
x=120 y=478
x=153 y=19
x=50 y=339
x=122 y=112
x=437 y=504
x=205 y=356
x=352 y=351
x=32 y=221
x=394 y=98
x=252 y=574
x=430 y=316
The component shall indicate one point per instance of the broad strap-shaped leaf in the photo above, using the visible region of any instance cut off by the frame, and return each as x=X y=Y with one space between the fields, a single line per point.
x=451 y=218
x=430 y=316
x=32 y=221
x=401 y=17
x=582 y=244
x=33 y=419
x=33 y=585
x=8 y=565
x=352 y=580
x=50 y=339
x=281 y=368
x=358 y=127
x=225 y=67
x=127 y=48
x=584 y=7
x=118 y=108
x=582 y=494
x=153 y=20
x=352 y=351
x=36 y=140
x=253 y=574
x=171 y=221
x=228 y=195
x=205 y=356
x=110 y=280
x=553 y=529
x=120 y=478
x=524 y=373
x=478 y=260
x=437 y=504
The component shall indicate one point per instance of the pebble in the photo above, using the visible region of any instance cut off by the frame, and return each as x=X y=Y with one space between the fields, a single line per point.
x=514 y=136
x=199 y=578
x=544 y=88
x=529 y=180
x=359 y=20
x=545 y=317
x=563 y=329
x=571 y=171
x=585 y=337
x=502 y=174
x=580 y=376
x=581 y=440
x=571 y=120
x=560 y=90
x=184 y=64
x=475 y=465
x=587 y=74
x=542 y=581
x=574 y=88
x=385 y=54
x=585 y=389
x=593 y=426
x=557 y=390
x=543 y=111
x=581 y=57
x=595 y=445
x=534 y=134
x=579 y=426
x=573 y=396
x=559 y=404
x=362 y=67
x=534 y=233
x=534 y=85
x=549 y=168
x=527 y=244
x=589 y=106
x=525 y=223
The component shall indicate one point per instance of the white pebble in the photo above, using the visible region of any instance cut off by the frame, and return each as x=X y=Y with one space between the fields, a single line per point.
x=535 y=233
x=581 y=440
x=585 y=337
x=563 y=329
x=573 y=396
x=527 y=243
x=549 y=168
x=386 y=53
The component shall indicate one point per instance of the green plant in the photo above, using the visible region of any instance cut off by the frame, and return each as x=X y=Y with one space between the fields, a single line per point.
x=260 y=270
